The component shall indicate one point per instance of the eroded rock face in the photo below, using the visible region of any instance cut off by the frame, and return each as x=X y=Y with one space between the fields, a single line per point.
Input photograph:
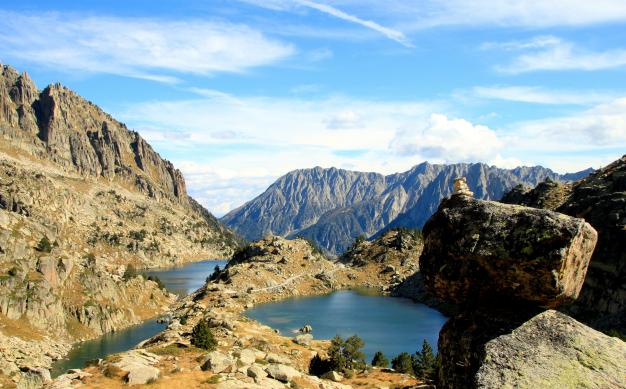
x=539 y=350
x=479 y=252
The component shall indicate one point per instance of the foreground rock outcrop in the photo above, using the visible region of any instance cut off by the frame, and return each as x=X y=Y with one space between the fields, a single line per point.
x=478 y=251
x=528 y=350
x=600 y=198
x=503 y=265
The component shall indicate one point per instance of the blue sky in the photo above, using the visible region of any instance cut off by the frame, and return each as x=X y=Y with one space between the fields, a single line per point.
x=237 y=93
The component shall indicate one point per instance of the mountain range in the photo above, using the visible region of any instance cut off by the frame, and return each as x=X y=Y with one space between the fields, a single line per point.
x=331 y=207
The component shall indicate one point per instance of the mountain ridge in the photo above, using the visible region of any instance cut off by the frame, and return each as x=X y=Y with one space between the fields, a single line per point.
x=332 y=206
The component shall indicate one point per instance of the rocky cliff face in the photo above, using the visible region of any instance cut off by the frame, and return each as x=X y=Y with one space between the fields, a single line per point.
x=332 y=206
x=59 y=126
x=600 y=199
x=81 y=199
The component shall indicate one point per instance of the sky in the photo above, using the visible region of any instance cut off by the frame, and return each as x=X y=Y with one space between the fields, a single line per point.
x=237 y=93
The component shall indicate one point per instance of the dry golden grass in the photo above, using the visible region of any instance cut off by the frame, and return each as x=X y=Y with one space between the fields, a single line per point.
x=20 y=328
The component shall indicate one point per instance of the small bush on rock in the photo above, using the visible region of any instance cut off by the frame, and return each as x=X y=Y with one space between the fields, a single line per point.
x=202 y=336
x=44 y=245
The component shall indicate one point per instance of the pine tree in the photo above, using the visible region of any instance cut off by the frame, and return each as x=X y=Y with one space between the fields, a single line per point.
x=403 y=363
x=380 y=360
x=425 y=362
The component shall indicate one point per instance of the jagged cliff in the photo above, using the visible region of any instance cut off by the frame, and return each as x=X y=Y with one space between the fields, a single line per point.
x=333 y=206
x=600 y=199
x=81 y=198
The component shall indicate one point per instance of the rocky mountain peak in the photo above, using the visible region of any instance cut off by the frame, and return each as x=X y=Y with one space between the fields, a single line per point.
x=62 y=127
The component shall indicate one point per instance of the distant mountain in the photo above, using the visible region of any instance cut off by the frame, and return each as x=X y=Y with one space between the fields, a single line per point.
x=333 y=206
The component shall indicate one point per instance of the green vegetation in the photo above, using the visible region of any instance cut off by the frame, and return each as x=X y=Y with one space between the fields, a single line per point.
x=403 y=363
x=44 y=245
x=138 y=235
x=202 y=337
x=346 y=354
x=380 y=360
x=422 y=364
x=343 y=356
x=157 y=280
x=214 y=379
x=130 y=272
x=425 y=362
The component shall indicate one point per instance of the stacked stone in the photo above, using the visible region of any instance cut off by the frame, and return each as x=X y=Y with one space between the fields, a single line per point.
x=504 y=265
x=461 y=188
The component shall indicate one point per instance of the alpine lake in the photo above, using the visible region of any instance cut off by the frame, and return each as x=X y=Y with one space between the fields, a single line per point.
x=388 y=324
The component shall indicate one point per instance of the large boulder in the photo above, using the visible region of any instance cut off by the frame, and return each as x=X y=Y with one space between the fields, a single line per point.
x=600 y=199
x=140 y=366
x=282 y=373
x=483 y=252
x=217 y=362
x=545 y=350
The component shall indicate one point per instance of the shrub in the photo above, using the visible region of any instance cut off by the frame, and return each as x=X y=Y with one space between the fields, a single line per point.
x=138 y=235
x=157 y=280
x=346 y=354
x=425 y=362
x=380 y=360
x=343 y=356
x=13 y=271
x=183 y=320
x=319 y=366
x=215 y=275
x=403 y=363
x=130 y=272
x=202 y=337
x=44 y=245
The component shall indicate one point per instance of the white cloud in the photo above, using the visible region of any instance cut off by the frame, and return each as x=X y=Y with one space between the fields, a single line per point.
x=343 y=120
x=552 y=53
x=502 y=13
x=540 y=95
x=388 y=32
x=602 y=127
x=451 y=140
x=230 y=148
x=136 y=47
x=293 y=5
x=279 y=121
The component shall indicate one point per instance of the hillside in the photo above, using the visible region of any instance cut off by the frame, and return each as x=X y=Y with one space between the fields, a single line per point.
x=333 y=206
x=81 y=199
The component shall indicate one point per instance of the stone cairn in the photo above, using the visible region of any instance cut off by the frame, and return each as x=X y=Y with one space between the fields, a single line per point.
x=461 y=188
x=500 y=265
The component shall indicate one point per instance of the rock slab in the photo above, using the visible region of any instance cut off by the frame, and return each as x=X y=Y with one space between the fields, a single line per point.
x=548 y=350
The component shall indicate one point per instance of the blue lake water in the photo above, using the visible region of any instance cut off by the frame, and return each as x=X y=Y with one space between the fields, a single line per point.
x=388 y=324
x=180 y=280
